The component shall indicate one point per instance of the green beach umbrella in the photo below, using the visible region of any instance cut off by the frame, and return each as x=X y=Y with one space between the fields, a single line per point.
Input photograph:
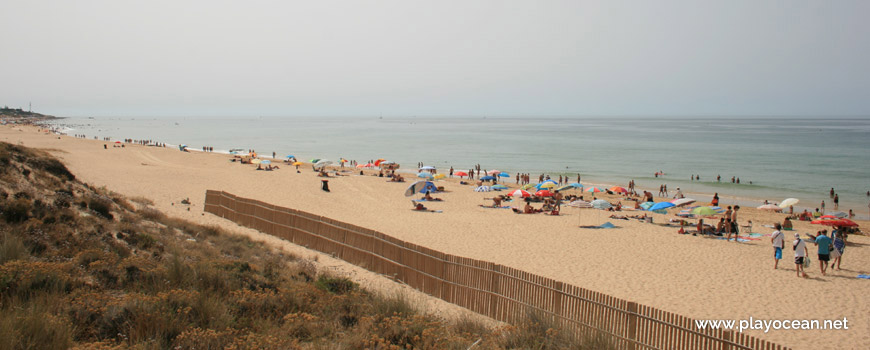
x=704 y=211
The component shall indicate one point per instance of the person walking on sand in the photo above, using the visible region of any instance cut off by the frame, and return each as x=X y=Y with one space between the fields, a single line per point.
x=777 y=239
x=800 y=253
x=838 y=237
x=558 y=198
x=824 y=251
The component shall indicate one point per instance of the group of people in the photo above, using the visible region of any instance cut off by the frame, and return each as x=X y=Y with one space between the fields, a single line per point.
x=829 y=249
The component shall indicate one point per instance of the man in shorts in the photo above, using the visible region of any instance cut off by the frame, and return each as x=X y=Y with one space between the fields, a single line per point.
x=800 y=253
x=777 y=239
x=823 y=242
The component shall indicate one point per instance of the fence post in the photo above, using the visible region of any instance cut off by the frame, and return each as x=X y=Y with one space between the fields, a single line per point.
x=632 y=325
x=726 y=335
x=557 y=303
x=494 y=286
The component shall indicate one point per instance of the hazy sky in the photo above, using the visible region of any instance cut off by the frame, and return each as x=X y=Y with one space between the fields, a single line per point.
x=289 y=58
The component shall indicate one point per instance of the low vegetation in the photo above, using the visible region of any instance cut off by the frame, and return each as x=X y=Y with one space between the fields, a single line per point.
x=81 y=267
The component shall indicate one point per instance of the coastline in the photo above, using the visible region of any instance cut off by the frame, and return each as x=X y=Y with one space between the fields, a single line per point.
x=645 y=263
x=744 y=195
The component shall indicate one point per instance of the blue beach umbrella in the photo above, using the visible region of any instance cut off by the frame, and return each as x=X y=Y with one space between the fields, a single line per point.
x=661 y=206
x=646 y=205
x=499 y=187
x=487 y=178
x=290 y=156
x=266 y=162
x=504 y=174
x=425 y=175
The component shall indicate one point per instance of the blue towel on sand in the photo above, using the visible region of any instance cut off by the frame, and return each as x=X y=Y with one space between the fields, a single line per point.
x=866 y=277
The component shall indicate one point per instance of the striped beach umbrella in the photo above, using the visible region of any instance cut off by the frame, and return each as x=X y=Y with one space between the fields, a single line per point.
x=618 y=189
x=601 y=204
x=594 y=189
x=483 y=189
x=520 y=193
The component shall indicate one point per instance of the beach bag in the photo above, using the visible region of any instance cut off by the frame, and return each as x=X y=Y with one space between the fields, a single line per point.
x=806 y=261
x=834 y=253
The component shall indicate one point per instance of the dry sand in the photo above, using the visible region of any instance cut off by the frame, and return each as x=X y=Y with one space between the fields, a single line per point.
x=697 y=277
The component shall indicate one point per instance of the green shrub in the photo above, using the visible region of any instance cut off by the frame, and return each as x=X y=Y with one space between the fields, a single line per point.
x=335 y=285
x=16 y=211
x=101 y=206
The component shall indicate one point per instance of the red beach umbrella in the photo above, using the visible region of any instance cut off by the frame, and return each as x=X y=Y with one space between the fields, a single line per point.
x=544 y=193
x=618 y=189
x=835 y=222
x=460 y=173
x=520 y=193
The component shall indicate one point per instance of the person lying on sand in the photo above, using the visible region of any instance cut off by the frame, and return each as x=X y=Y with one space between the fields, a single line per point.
x=259 y=167
x=430 y=198
x=618 y=217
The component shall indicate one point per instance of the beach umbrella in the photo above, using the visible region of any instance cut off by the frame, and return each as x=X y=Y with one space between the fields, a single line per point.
x=520 y=193
x=379 y=161
x=529 y=186
x=425 y=175
x=460 y=173
x=387 y=162
x=682 y=201
x=483 y=189
x=256 y=161
x=788 y=202
x=544 y=193
x=835 y=222
x=661 y=206
x=322 y=163
x=594 y=189
x=360 y=166
x=580 y=204
x=499 y=187
x=439 y=176
x=487 y=178
x=414 y=188
x=647 y=205
x=493 y=172
x=601 y=204
x=770 y=207
x=618 y=189
x=266 y=162
x=551 y=181
x=427 y=168
x=504 y=174
x=290 y=156
x=704 y=211
x=315 y=160
x=839 y=214
x=545 y=185
x=565 y=188
x=297 y=163
x=577 y=185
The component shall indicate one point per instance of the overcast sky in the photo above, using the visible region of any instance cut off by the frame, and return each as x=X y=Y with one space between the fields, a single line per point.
x=470 y=57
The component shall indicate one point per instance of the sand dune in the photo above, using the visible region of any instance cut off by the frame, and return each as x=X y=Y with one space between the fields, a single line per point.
x=697 y=277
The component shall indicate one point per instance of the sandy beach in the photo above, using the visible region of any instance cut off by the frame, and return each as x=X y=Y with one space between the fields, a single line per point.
x=703 y=278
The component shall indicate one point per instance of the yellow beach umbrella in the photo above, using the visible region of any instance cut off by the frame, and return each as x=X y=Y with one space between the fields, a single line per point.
x=439 y=176
x=298 y=163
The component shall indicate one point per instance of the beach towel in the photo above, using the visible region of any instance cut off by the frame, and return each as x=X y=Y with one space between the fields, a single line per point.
x=866 y=277
x=604 y=225
x=427 y=211
x=739 y=239
x=491 y=207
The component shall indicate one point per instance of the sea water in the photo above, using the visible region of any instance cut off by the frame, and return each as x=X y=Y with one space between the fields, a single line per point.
x=774 y=158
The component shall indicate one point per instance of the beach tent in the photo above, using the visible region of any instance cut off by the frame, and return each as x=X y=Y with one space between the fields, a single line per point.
x=428 y=187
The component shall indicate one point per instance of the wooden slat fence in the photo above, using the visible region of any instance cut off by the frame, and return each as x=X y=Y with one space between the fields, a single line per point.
x=501 y=292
